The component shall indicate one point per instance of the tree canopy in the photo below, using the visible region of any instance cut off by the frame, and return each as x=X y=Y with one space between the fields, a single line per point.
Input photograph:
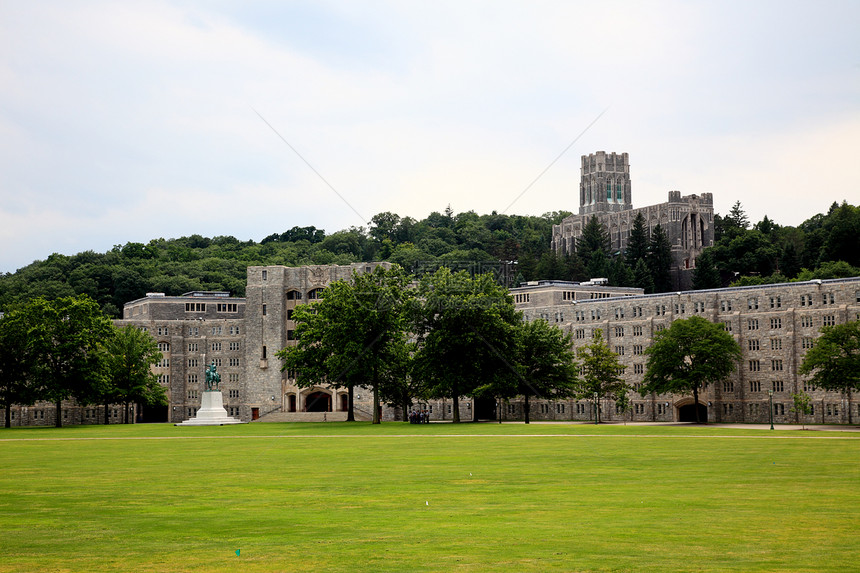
x=688 y=356
x=465 y=327
x=833 y=362
x=601 y=373
x=356 y=334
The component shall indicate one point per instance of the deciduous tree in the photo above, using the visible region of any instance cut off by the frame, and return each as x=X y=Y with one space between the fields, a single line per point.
x=601 y=373
x=465 y=328
x=833 y=362
x=688 y=356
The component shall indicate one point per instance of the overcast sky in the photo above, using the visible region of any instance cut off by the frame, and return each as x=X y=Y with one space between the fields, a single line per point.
x=128 y=121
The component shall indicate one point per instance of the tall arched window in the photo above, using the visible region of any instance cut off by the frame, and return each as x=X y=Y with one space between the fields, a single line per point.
x=609 y=190
x=619 y=192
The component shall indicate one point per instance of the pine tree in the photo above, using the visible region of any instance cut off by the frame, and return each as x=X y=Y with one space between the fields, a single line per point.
x=642 y=277
x=706 y=274
x=620 y=273
x=660 y=260
x=594 y=239
x=637 y=243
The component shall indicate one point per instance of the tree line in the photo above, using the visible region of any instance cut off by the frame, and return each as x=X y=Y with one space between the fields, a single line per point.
x=54 y=350
x=821 y=247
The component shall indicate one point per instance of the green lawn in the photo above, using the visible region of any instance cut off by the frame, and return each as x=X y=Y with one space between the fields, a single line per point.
x=399 y=497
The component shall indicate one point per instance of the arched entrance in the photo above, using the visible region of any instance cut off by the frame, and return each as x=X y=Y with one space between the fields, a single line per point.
x=292 y=403
x=485 y=408
x=344 y=402
x=318 y=402
x=687 y=413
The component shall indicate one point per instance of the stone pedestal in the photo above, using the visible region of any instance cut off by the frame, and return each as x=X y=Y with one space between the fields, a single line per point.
x=211 y=412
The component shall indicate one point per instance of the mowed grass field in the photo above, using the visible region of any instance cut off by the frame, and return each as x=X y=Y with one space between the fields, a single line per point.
x=400 y=497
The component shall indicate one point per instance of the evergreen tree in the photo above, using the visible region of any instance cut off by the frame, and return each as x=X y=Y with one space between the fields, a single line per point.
x=598 y=265
x=594 y=239
x=574 y=269
x=706 y=274
x=642 y=277
x=637 y=243
x=660 y=260
x=620 y=273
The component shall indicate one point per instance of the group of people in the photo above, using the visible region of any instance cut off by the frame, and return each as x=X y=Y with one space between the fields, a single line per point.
x=419 y=417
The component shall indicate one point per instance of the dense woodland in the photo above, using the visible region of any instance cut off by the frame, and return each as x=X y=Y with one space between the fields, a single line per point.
x=823 y=246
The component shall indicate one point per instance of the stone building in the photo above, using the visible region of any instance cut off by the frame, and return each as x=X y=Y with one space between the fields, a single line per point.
x=605 y=193
x=774 y=325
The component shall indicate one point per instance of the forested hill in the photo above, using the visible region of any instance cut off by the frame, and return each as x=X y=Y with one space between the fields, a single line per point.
x=175 y=266
x=824 y=246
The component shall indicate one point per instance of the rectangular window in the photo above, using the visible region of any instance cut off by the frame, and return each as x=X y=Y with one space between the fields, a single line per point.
x=216 y=362
x=754 y=365
x=776 y=365
x=216 y=346
x=776 y=344
x=619 y=313
x=580 y=333
x=234 y=330
x=752 y=303
x=195 y=307
x=234 y=346
x=755 y=386
x=193 y=363
x=637 y=331
x=775 y=323
x=638 y=368
x=806 y=321
x=752 y=345
x=193 y=331
x=728 y=386
x=233 y=378
x=228 y=307
x=235 y=361
x=192 y=347
x=778 y=386
x=776 y=302
x=216 y=330
x=829 y=320
x=752 y=324
x=619 y=350
x=192 y=378
x=727 y=326
x=619 y=331
x=264 y=310
x=637 y=349
x=265 y=275
x=806 y=342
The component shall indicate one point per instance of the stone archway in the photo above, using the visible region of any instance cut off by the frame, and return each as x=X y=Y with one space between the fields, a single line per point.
x=687 y=411
x=318 y=402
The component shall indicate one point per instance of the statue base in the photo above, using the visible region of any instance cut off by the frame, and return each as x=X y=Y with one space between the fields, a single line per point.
x=211 y=412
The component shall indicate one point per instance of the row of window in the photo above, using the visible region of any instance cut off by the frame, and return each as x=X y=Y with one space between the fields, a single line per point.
x=219 y=307
x=755 y=365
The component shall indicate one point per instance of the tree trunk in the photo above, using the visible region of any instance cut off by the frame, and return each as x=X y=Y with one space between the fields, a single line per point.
x=350 y=412
x=375 y=394
x=455 y=399
x=526 y=408
x=8 y=423
x=696 y=402
x=404 y=405
x=107 y=414
x=59 y=421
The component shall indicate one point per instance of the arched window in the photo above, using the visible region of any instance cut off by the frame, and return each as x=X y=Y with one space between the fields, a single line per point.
x=609 y=190
x=619 y=192
x=314 y=294
x=294 y=295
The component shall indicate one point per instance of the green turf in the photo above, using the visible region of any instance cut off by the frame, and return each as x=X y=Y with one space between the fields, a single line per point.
x=399 y=497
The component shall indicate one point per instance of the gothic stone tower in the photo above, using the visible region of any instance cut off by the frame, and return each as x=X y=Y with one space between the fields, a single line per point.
x=604 y=185
x=604 y=192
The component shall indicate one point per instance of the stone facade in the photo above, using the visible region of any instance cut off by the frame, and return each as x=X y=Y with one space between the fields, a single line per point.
x=774 y=325
x=605 y=193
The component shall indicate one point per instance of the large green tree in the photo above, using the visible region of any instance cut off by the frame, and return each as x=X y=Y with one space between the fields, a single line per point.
x=465 y=328
x=65 y=340
x=593 y=247
x=601 y=373
x=131 y=354
x=544 y=364
x=688 y=356
x=15 y=378
x=833 y=362
x=356 y=334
